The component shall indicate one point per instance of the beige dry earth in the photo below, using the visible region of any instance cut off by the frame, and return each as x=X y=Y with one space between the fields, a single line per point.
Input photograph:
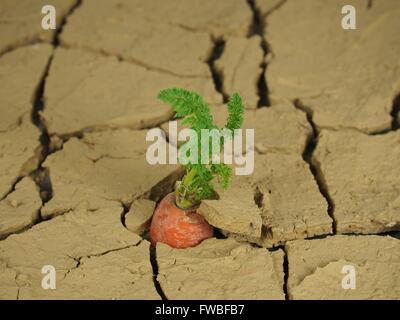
x=344 y=79
x=77 y=193
x=21 y=22
x=319 y=263
x=220 y=269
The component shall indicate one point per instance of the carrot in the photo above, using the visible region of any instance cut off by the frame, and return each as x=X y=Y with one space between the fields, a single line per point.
x=175 y=220
x=177 y=227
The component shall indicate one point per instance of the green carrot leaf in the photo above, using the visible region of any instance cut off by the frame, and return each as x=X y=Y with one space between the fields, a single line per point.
x=235 y=110
x=197 y=184
x=188 y=104
x=223 y=172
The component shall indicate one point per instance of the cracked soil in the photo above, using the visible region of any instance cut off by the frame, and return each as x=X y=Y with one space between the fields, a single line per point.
x=77 y=193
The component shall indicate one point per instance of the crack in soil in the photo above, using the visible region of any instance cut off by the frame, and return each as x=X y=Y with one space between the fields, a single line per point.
x=276 y=7
x=41 y=175
x=149 y=67
x=135 y=62
x=394 y=234
x=396 y=113
x=218 y=234
x=56 y=39
x=285 y=267
x=125 y=211
x=286 y=274
x=154 y=265
x=12 y=189
x=258 y=197
x=36 y=221
x=25 y=44
x=111 y=250
x=98 y=129
x=258 y=28
x=78 y=260
x=315 y=170
x=78 y=263
x=217 y=51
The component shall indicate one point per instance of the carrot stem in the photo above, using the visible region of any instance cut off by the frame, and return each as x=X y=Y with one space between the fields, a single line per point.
x=182 y=195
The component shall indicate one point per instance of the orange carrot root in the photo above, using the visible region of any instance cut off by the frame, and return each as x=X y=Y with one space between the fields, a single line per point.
x=176 y=227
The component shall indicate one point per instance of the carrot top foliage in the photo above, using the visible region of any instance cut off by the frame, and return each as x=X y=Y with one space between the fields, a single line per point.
x=197 y=184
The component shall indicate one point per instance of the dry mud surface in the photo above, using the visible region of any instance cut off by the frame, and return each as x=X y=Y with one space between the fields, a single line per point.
x=77 y=193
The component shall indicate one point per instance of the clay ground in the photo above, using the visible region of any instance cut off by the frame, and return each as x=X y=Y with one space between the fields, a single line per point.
x=76 y=190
